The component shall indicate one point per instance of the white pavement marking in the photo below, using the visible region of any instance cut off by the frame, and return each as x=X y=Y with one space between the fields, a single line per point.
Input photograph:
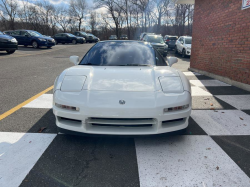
x=241 y=102
x=196 y=91
x=208 y=83
x=18 y=154
x=190 y=73
x=186 y=161
x=222 y=122
x=44 y=101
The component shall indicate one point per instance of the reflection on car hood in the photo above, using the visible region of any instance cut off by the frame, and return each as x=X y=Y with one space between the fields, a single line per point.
x=115 y=78
x=6 y=37
x=188 y=45
x=158 y=44
x=45 y=37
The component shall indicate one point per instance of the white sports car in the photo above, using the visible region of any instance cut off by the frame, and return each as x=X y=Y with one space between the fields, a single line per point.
x=122 y=88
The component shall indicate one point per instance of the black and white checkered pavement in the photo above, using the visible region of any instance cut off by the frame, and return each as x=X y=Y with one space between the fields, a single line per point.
x=214 y=151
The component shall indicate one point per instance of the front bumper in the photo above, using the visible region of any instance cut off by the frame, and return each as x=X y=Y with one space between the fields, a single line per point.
x=188 y=52
x=46 y=43
x=101 y=113
x=8 y=46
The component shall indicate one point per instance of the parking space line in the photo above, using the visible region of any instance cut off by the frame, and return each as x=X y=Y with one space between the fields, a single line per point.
x=11 y=111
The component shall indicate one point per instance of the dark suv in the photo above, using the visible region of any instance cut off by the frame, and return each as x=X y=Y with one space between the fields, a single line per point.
x=170 y=41
x=68 y=38
x=81 y=34
x=8 y=43
x=33 y=38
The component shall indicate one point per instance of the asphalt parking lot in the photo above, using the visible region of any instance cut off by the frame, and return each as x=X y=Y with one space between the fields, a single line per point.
x=214 y=151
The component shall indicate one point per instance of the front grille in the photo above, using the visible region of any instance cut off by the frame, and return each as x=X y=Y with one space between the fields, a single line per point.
x=121 y=122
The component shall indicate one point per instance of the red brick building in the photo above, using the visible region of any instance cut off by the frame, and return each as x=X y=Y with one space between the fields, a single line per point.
x=221 y=40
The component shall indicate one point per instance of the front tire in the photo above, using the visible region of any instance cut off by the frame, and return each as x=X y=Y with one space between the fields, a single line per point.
x=10 y=51
x=176 y=51
x=183 y=55
x=49 y=47
x=35 y=45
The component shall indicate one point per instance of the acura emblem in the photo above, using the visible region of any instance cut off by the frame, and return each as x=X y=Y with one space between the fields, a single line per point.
x=122 y=102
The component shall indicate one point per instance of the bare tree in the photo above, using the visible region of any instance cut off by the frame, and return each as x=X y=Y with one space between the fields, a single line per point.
x=9 y=9
x=93 y=21
x=77 y=9
x=62 y=17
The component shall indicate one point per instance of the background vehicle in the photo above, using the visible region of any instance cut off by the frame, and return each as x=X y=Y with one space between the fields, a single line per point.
x=81 y=34
x=94 y=38
x=184 y=45
x=144 y=34
x=124 y=37
x=67 y=38
x=147 y=96
x=8 y=43
x=170 y=41
x=113 y=37
x=158 y=43
x=33 y=38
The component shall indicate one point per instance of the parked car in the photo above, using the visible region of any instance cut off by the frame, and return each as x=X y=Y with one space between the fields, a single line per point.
x=122 y=88
x=8 y=32
x=113 y=37
x=82 y=34
x=144 y=34
x=94 y=38
x=68 y=38
x=30 y=37
x=124 y=37
x=157 y=42
x=183 y=46
x=8 y=43
x=170 y=41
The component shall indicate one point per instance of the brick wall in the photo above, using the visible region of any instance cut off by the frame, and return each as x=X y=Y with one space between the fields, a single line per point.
x=221 y=39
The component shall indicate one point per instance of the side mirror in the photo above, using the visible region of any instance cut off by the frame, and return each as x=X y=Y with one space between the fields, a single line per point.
x=172 y=60
x=74 y=59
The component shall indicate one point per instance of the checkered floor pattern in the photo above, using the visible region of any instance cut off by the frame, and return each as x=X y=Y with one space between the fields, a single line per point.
x=214 y=151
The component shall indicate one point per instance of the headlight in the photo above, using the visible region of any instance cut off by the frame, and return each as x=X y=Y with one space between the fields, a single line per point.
x=13 y=40
x=41 y=39
x=53 y=40
x=171 y=84
x=73 y=83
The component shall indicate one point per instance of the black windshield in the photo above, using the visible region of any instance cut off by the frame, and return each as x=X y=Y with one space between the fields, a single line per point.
x=188 y=40
x=120 y=54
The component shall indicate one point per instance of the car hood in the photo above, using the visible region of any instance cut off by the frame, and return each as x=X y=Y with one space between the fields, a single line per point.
x=45 y=37
x=188 y=45
x=114 y=78
x=158 y=44
x=6 y=37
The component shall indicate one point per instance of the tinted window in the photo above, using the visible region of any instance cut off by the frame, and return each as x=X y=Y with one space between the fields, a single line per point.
x=155 y=39
x=23 y=33
x=172 y=38
x=120 y=54
x=57 y=35
x=16 y=33
x=188 y=41
x=1 y=33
